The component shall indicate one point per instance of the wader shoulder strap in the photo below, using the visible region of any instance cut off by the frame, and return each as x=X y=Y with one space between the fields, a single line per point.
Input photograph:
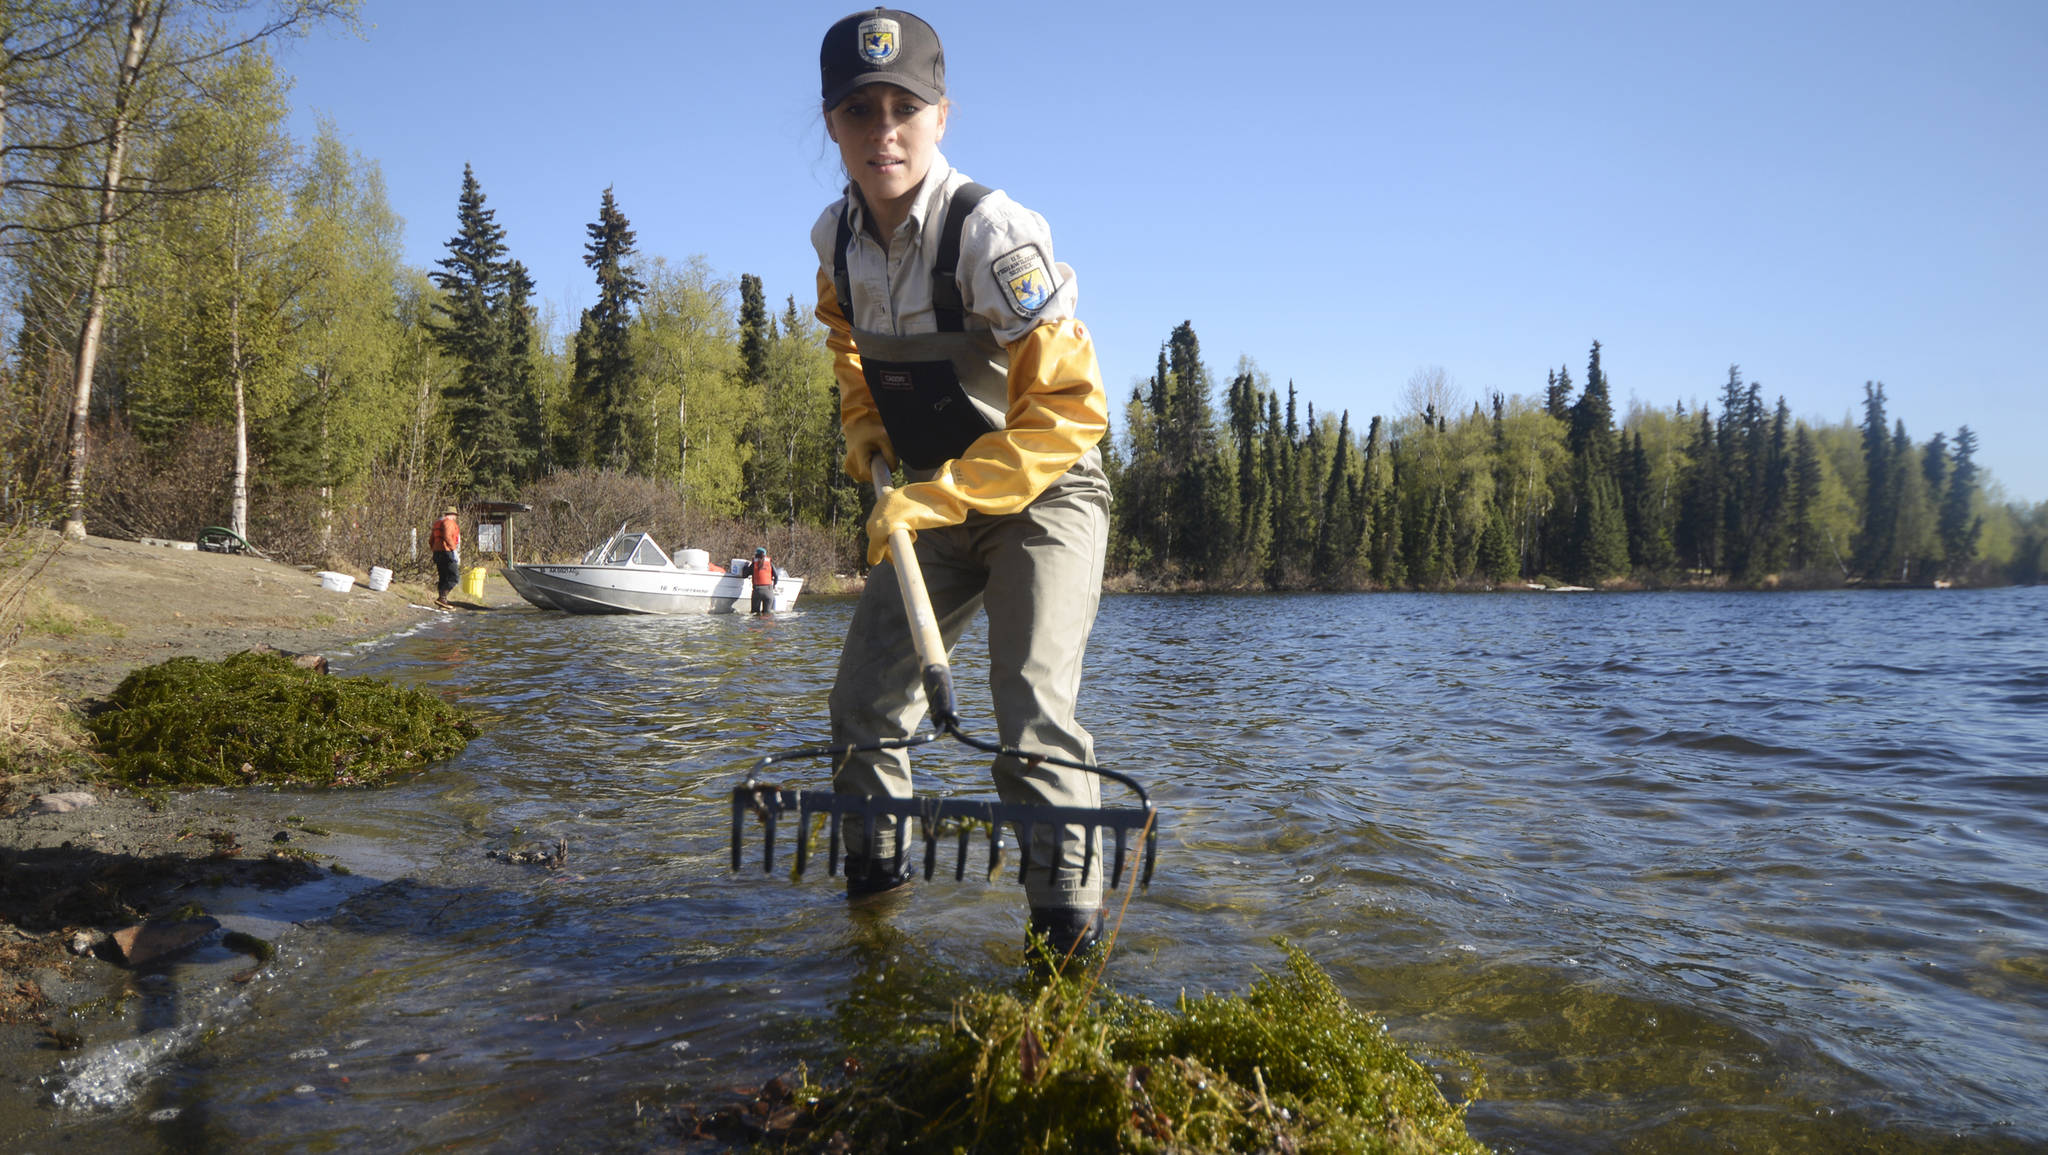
x=947 y=304
x=841 y=284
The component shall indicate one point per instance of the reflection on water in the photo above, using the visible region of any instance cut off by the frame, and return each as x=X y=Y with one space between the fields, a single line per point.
x=1681 y=872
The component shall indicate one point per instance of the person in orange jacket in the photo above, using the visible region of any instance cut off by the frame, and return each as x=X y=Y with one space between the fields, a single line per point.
x=761 y=573
x=959 y=357
x=445 y=540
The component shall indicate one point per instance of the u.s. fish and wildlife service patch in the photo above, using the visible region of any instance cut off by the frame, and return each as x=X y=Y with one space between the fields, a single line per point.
x=879 y=39
x=1024 y=275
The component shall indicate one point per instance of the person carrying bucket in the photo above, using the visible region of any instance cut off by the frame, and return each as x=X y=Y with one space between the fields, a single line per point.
x=445 y=540
x=763 y=575
x=959 y=356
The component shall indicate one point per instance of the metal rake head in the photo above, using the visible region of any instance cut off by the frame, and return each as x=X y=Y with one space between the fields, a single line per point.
x=953 y=819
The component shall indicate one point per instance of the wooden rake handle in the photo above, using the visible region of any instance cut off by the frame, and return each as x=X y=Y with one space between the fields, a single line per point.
x=917 y=608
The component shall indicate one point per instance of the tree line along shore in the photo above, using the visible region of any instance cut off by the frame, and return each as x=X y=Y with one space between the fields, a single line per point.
x=213 y=326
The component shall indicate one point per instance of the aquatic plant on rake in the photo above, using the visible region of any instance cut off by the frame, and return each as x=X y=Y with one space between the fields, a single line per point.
x=257 y=718
x=1289 y=1066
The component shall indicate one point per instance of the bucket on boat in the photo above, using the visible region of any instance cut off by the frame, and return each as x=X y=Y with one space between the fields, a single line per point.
x=473 y=583
x=380 y=578
x=340 y=583
x=738 y=564
x=694 y=559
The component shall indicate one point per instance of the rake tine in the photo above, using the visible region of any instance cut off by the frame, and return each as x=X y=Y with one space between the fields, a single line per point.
x=803 y=836
x=1116 y=873
x=931 y=848
x=1024 y=830
x=995 y=850
x=1088 y=841
x=902 y=851
x=867 y=833
x=1151 y=853
x=768 y=840
x=739 y=818
x=960 y=859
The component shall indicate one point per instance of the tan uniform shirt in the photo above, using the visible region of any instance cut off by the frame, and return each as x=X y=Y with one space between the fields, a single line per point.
x=1010 y=281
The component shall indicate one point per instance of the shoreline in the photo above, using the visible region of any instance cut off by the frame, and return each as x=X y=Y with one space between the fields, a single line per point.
x=92 y=612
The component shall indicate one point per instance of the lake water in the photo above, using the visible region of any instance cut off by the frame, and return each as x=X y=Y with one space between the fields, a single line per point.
x=1678 y=872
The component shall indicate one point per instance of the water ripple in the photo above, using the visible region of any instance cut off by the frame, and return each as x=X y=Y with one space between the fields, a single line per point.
x=1769 y=868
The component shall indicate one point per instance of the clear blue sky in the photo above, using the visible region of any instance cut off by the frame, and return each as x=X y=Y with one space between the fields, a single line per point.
x=1823 y=193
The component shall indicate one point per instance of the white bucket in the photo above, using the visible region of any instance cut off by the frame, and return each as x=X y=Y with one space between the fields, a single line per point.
x=340 y=583
x=738 y=564
x=694 y=559
x=380 y=578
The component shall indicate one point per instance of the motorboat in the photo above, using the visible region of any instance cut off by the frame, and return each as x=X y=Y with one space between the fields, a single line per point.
x=629 y=574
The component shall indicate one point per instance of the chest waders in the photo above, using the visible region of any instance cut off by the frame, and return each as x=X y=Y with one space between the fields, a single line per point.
x=956 y=820
x=936 y=392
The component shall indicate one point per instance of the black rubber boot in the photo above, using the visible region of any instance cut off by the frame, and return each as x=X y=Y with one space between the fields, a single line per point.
x=871 y=878
x=1068 y=932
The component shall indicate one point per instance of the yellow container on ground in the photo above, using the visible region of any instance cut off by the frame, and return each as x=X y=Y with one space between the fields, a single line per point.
x=473 y=583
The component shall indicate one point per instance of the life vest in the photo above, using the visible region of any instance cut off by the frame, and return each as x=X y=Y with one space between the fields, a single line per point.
x=446 y=535
x=936 y=392
x=764 y=571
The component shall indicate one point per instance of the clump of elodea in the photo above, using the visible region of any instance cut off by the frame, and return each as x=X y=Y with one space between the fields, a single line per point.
x=1071 y=1066
x=257 y=718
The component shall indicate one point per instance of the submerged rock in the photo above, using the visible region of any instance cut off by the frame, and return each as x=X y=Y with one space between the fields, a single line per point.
x=62 y=803
x=150 y=942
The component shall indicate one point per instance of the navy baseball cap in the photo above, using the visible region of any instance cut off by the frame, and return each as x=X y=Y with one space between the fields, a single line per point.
x=884 y=46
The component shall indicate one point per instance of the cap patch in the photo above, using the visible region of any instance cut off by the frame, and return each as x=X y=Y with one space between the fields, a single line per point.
x=880 y=39
x=1025 y=276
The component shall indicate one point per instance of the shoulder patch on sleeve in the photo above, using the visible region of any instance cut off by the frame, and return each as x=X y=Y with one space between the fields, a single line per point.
x=1027 y=279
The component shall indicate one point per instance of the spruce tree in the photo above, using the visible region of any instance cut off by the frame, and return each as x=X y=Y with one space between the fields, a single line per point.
x=487 y=416
x=1497 y=561
x=1698 y=531
x=1557 y=394
x=1912 y=533
x=605 y=377
x=525 y=397
x=1598 y=547
x=1773 y=535
x=1805 y=499
x=1333 y=544
x=1960 y=528
x=1201 y=527
x=1732 y=444
x=1934 y=463
x=754 y=335
x=1649 y=534
x=1880 y=507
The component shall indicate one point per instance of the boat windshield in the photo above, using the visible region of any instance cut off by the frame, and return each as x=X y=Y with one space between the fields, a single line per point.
x=635 y=549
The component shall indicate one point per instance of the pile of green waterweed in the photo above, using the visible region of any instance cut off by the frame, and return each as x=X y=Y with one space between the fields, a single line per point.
x=1289 y=1066
x=257 y=718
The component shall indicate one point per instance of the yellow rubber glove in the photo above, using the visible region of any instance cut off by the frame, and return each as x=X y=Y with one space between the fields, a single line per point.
x=1058 y=411
x=864 y=439
x=896 y=510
